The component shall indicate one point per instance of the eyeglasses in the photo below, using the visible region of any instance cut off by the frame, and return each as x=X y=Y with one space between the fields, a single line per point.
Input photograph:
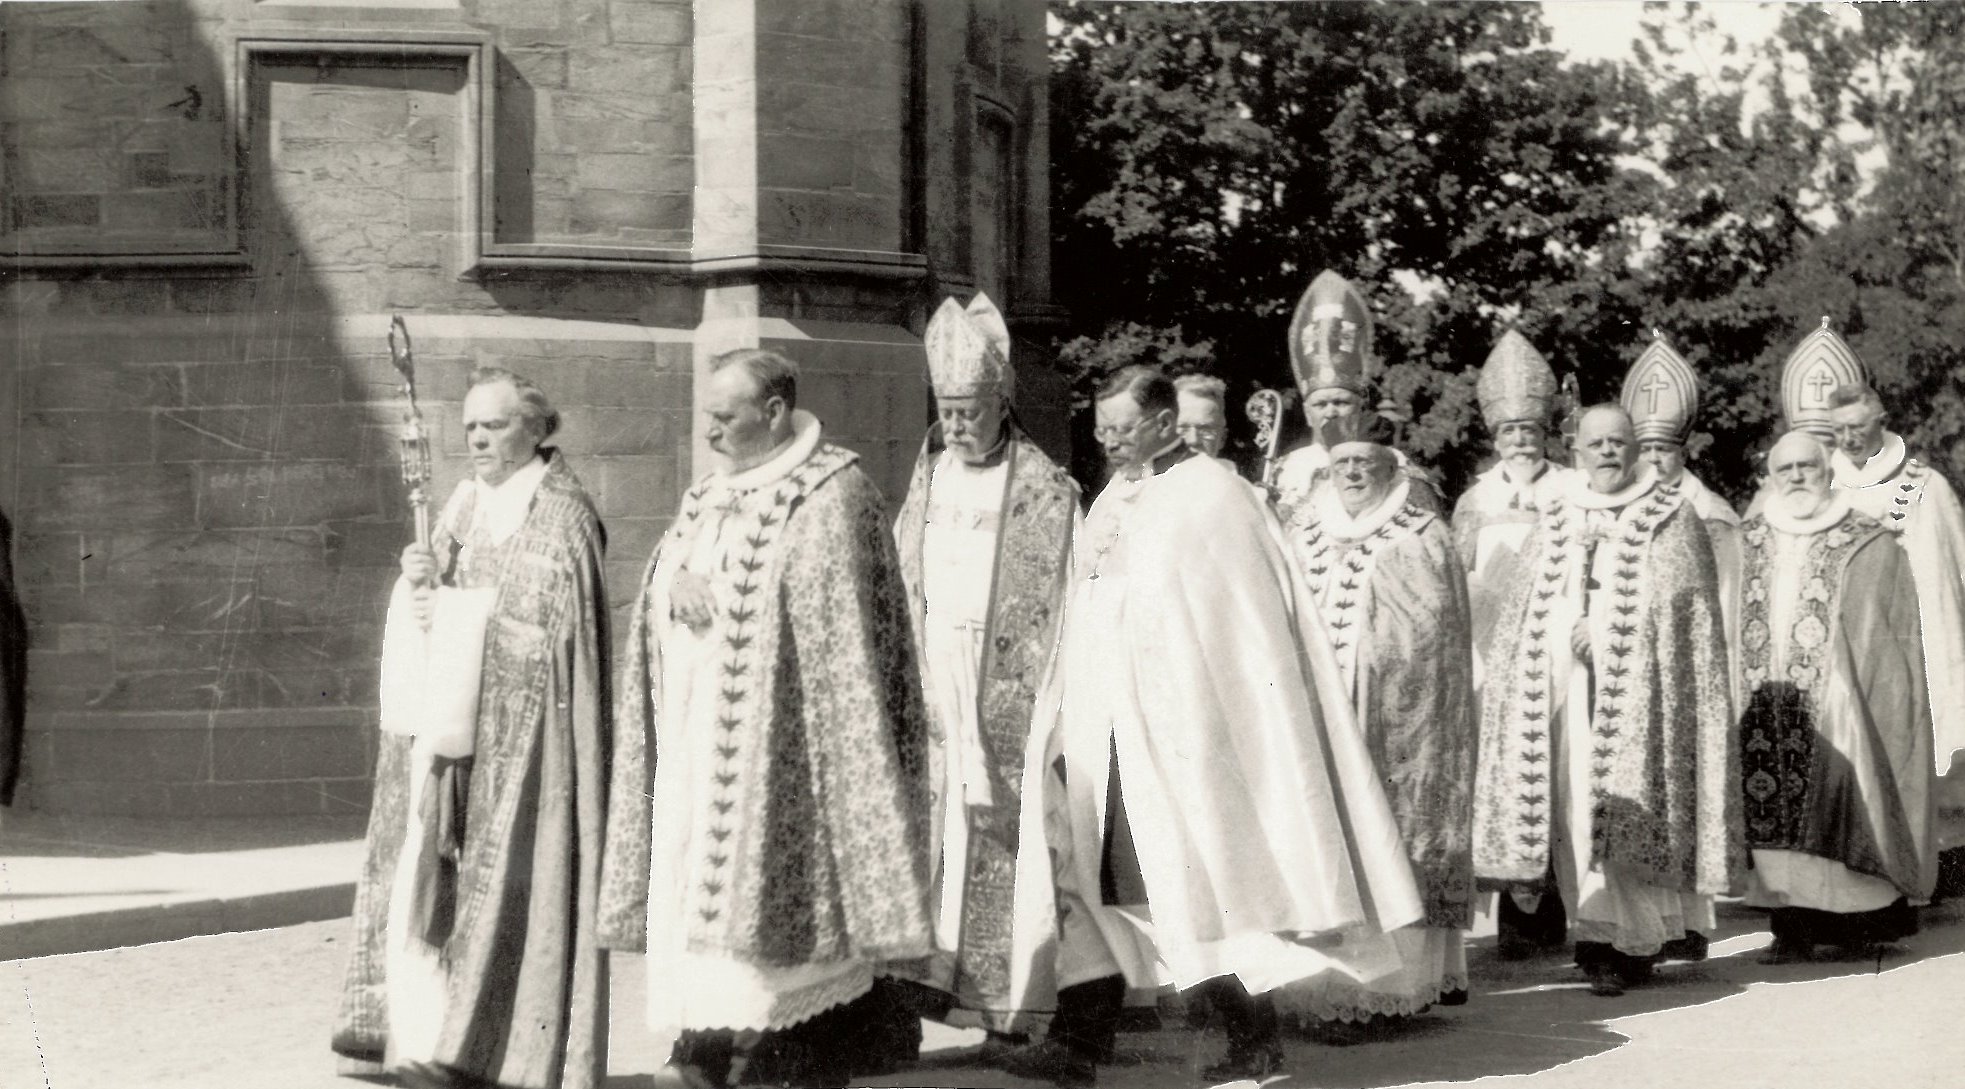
x=1108 y=431
x=1205 y=431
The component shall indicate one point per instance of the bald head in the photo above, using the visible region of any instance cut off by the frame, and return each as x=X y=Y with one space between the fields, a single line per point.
x=1798 y=473
x=1606 y=448
x=1798 y=447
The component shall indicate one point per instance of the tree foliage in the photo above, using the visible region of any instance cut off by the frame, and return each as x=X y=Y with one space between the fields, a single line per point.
x=1209 y=159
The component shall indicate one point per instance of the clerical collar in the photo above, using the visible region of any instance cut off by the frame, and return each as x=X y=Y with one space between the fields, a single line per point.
x=996 y=453
x=1832 y=512
x=1885 y=464
x=1163 y=459
x=1336 y=523
x=806 y=434
x=1582 y=496
x=501 y=507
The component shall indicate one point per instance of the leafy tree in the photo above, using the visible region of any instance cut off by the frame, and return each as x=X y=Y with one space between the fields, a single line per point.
x=1841 y=198
x=1210 y=159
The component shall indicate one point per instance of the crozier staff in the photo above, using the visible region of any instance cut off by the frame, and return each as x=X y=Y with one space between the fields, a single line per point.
x=475 y=959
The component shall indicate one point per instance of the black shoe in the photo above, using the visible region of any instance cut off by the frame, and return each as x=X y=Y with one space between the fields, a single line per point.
x=1455 y=997
x=1605 y=981
x=422 y=1075
x=1511 y=947
x=693 y=1077
x=1254 y=1064
x=1693 y=947
x=1051 y=1061
x=1788 y=951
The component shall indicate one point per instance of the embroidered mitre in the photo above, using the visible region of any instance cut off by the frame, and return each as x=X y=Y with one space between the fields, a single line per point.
x=968 y=349
x=1515 y=383
x=1330 y=337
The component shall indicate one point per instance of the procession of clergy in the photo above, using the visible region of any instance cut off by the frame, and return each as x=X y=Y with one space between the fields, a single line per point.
x=995 y=760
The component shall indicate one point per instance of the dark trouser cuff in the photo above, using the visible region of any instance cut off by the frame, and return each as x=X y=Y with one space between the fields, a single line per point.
x=1088 y=1016
x=1249 y=1020
x=1605 y=955
x=1885 y=924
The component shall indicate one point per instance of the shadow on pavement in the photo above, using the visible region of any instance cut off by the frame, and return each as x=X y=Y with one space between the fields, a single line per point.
x=1524 y=1017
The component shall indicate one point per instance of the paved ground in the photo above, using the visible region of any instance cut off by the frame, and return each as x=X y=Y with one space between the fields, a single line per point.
x=72 y=885
x=251 y=1011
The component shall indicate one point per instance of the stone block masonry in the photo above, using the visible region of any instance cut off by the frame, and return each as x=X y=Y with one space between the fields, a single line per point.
x=207 y=230
x=208 y=523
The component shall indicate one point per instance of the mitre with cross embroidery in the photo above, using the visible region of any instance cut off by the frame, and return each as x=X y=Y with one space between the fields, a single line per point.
x=1330 y=337
x=1515 y=383
x=1661 y=393
x=968 y=349
x=1820 y=363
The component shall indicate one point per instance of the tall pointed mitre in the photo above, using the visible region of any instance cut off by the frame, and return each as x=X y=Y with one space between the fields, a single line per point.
x=1661 y=392
x=1820 y=363
x=968 y=349
x=1515 y=383
x=1330 y=337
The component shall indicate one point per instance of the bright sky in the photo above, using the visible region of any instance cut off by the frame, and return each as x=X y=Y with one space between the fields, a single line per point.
x=1604 y=29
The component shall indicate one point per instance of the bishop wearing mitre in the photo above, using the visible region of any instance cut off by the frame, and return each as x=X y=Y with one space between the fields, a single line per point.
x=1331 y=357
x=985 y=538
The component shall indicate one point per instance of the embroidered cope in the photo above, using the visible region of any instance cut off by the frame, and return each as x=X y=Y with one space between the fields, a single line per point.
x=1621 y=767
x=537 y=796
x=1835 y=762
x=1394 y=599
x=785 y=856
x=984 y=552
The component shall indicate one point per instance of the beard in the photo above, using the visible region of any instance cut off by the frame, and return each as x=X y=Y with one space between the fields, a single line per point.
x=1801 y=503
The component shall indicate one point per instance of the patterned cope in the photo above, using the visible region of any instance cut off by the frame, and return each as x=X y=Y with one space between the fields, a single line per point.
x=1026 y=600
x=817 y=809
x=1398 y=598
x=1663 y=763
x=1904 y=495
x=1800 y=794
x=532 y=829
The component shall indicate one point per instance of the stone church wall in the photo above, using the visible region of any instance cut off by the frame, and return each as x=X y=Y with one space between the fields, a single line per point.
x=212 y=208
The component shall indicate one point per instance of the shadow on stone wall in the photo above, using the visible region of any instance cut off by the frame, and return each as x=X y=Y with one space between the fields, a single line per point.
x=210 y=498
x=208 y=504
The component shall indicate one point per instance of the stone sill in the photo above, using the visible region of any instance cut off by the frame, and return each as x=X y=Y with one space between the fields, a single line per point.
x=513 y=259
x=510 y=261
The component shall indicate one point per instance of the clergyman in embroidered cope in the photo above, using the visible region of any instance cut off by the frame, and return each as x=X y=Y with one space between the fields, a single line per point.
x=769 y=843
x=1835 y=737
x=1394 y=599
x=984 y=551
x=528 y=869
x=1921 y=509
x=1621 y=768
